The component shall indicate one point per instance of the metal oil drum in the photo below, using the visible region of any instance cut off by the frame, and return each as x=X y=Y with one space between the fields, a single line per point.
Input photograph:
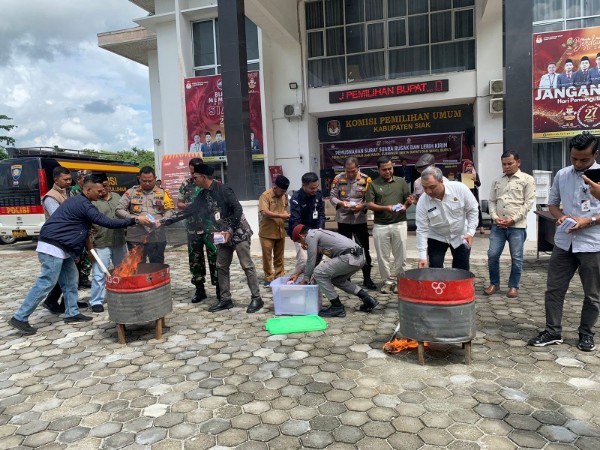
x=140 y=298
x=437 y=305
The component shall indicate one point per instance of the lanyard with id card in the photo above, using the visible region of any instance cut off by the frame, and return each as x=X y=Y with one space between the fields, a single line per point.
x=585 y=205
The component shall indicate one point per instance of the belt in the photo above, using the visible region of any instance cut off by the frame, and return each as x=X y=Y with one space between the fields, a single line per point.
x=356 y=251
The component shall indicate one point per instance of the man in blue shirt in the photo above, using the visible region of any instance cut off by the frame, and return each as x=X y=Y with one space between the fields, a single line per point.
x=61 y=241
x=576 y=246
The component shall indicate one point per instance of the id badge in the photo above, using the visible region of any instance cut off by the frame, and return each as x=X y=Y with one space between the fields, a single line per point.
x=316 y=214
x=585 y=205
x=217 y=216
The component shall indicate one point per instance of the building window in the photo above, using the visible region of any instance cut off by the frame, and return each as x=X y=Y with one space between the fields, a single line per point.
x=549 y=155
x=362 y=40
x=205 y=38
x=556 y=15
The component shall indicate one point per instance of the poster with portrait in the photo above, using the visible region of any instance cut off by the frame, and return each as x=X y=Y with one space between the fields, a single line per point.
x=175 y=169
x=566 y=82
x=205 y=117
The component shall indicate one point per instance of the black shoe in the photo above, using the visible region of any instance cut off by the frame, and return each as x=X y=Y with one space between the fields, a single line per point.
x=54 y=308
x=586 y=343
x=85 y=283
x=77 y=318
x=82 y=305
x=545 y=338
x=97 y=308
x=200 y=293
x=368 y=283
x=333 y=311
x=23 y=327
x=368 y=305
x=255 y=305
x=221 y=306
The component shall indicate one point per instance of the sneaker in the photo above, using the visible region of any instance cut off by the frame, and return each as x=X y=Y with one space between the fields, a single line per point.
x=387 y=288
x=23 y=327
x=545 y=338
x=97 y=308
x=267 y=284
x=77 y=318
x=82 y=305
x=586 y=343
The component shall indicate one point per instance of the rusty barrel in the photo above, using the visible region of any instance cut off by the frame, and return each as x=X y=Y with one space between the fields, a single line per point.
x=143 y=297
x=437 y=305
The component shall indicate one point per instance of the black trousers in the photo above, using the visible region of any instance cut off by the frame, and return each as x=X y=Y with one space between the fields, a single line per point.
x=561 y=270
x=436 y=251
x=360 y=233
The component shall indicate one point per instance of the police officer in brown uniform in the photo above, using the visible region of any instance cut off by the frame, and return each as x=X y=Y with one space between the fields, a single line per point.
x=345 y=258
x=348 y=191
x=141 y=200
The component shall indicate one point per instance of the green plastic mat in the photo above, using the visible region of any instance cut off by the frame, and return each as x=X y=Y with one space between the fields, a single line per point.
x=295 y=324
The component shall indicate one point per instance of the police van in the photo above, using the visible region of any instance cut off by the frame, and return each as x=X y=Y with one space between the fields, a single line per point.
x=26 y=176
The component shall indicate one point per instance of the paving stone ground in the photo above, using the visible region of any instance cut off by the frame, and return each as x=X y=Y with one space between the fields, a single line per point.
x=221 y=381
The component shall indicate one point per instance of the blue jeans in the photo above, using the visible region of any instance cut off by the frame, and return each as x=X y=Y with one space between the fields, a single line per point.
x=106 y=255
x=63 y=271
x=516 y=240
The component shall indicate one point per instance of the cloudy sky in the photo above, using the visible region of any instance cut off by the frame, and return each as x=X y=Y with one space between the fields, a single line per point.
x=60 y=88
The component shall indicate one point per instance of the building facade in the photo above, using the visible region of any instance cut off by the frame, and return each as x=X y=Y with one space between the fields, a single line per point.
x=356 y=78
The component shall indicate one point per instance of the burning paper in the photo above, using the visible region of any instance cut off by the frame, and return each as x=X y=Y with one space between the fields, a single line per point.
x=397 y=345
x=130 y=264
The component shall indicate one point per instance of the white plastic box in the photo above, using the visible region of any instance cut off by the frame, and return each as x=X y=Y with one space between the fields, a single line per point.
x=294 y=299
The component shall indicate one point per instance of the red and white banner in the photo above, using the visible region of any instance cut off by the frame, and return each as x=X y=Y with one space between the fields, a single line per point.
x=205 y=117
x=566 y=82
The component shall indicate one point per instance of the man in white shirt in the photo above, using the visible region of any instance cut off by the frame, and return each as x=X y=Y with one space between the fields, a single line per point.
x=446 y=217
x=196 y=146
x=550 y=79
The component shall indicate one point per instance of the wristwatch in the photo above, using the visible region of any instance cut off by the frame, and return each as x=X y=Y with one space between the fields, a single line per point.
x=593 y=222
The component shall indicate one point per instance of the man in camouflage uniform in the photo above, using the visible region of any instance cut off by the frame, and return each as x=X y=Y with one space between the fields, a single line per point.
x=141 y=200
x=348 y=191
x=197 y=238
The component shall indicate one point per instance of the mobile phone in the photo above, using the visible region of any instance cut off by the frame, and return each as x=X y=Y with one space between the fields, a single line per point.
x=567 y=224
x=593 y=174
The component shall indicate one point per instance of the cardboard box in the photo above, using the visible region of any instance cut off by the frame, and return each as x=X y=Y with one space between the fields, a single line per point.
x=295 y=299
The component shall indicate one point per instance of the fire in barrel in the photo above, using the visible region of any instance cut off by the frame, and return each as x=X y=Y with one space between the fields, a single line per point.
x=138 y=292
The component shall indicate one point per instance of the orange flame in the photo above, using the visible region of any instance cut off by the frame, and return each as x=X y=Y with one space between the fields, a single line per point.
x=129 y=265
x=397 y=345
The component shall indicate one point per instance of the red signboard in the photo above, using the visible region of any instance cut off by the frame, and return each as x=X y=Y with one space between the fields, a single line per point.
x=174 y=170
x=205 y=117
x=397 y=90
x=274 y=172
x=566 y=82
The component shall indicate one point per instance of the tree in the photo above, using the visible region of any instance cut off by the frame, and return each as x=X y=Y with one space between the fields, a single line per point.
x=7 y=139
x=140 y=156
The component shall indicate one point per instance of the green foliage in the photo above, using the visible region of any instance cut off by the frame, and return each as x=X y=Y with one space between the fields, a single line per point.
x=137 y=155
x=6 y=139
